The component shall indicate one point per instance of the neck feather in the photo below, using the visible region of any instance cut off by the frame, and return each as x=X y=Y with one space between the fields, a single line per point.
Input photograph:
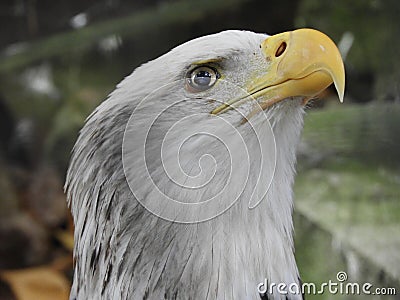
x=124 y=251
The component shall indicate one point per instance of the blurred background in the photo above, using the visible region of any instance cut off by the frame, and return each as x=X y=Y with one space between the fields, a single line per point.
x=60 y=59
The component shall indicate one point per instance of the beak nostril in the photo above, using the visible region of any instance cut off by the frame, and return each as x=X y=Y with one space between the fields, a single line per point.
x=281 y=49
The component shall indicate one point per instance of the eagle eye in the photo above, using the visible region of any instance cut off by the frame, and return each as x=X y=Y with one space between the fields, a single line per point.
x=201 y=79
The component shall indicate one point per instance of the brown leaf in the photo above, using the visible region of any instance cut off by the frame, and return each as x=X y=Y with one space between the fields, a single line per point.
x=37 y=283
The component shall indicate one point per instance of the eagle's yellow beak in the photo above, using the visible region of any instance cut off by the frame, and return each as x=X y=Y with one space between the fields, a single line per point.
x=303 y=62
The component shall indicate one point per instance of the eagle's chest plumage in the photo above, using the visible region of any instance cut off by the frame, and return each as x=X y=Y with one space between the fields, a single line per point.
x=136 y=254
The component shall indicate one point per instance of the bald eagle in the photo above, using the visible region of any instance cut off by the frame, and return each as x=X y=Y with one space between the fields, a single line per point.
x=180 y=183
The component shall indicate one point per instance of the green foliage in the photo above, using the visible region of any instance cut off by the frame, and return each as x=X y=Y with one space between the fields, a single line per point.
x=347 y=191
x=363 y=133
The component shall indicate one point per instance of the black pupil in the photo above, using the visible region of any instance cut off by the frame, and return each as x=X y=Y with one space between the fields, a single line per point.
x=202 y=78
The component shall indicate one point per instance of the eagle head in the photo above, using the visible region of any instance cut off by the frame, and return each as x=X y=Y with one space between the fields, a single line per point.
x=180 y=183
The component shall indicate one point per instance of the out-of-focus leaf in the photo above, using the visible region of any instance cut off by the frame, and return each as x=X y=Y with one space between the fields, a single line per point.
x=66 y=238
x=62 y=264
x=37 y=283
